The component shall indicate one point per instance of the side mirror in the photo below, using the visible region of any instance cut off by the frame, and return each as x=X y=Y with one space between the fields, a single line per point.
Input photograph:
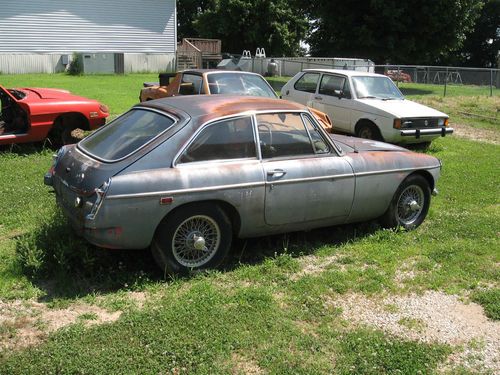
x=338 y=93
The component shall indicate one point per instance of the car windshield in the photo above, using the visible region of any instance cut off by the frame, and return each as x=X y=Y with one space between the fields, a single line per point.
x=240 y=84
x=126 y=134
x=373 y=87
x=18 y=94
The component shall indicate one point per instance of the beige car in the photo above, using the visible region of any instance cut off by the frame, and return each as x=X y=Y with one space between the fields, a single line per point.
x=211 y=82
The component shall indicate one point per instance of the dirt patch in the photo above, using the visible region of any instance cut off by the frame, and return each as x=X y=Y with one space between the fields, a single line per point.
x=476 y=134
x=409 y=271
x=431 y=317
x=244 y=365
x=139 y=298
x=26 y=323
x=313 y=265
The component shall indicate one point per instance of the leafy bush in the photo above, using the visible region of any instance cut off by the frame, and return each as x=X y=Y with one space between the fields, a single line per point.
x=75 y=67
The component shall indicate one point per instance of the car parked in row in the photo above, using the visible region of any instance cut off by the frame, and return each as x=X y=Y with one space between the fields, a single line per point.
x=33 y=114
x=185 y=175
x=215 y=82
x=367 y=105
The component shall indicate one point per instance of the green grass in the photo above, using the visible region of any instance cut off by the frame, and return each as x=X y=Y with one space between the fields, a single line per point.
x=490 y=300
x=199 y=331
x=259 y=311
x=117 y=92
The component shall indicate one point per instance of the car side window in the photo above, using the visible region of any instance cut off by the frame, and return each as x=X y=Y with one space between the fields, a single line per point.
x=319 y=144
x=283 y=134
x=307 y=82
x=347 y=90
x=191 y=84
x=330 y=83
x=227 y=139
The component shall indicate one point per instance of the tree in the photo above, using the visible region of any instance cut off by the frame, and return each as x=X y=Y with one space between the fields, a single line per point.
x=416 y=32
x=187 y=12
x=481 y=46
x=247 y=24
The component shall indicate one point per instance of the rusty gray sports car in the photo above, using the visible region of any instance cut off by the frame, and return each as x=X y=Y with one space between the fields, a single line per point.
x=185 y=175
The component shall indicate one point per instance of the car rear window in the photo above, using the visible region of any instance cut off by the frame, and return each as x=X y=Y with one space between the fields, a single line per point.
x=239 y=84
x=126 y=134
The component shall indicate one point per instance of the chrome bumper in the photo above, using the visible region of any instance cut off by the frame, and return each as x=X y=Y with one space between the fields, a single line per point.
x=419 y=132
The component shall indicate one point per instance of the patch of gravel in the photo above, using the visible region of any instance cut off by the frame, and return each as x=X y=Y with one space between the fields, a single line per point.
x=441 y=318
x=476 y=134
x=30 y=322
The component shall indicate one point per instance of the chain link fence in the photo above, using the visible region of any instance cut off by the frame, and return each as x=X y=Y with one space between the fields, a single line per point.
x=444 y=80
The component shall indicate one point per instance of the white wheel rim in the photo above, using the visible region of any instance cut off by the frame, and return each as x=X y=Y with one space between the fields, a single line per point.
x=196 y=241
x=410 y=205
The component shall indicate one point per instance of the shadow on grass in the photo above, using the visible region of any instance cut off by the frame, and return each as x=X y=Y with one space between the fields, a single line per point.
x=65 y=266
x=27 y=148
x=415 y=91
x=296 y=244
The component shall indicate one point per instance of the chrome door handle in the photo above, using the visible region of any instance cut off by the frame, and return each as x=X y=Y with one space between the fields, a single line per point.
x=318 y=97
x=277 y=173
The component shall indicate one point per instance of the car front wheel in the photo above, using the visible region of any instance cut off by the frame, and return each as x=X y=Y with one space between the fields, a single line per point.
x=195 y=237
x=368 y=131
x=410 y=204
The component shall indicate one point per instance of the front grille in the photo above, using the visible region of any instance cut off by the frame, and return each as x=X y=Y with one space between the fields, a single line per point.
x=420 y=123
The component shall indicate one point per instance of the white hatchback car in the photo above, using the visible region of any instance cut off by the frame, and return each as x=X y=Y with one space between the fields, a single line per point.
x=367 y=105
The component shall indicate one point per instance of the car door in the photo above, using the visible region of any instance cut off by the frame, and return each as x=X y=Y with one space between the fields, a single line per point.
x=334 y=98
x=306 y=180
x=221 y=163
x=15 y=124
x=303 y=89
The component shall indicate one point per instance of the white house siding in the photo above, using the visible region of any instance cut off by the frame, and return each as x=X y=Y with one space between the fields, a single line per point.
x=35 y=34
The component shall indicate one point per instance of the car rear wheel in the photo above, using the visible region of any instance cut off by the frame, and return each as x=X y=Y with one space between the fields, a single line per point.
x=410 y=204
x=368 y=131
x=195 y=237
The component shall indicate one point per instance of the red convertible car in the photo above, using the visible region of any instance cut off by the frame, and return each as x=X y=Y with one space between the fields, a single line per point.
x=34 y=114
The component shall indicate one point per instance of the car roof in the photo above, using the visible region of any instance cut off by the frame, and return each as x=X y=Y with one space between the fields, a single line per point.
x=349 y=73
x=210 y=107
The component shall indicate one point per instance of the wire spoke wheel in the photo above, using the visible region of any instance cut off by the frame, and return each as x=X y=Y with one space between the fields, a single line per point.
x=196 y=240
x=410 y=204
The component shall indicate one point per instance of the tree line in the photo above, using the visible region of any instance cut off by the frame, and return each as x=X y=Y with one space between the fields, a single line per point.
x=453 y=32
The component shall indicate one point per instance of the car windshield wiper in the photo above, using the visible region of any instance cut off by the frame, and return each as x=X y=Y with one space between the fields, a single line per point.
x=369 y=97
x=392 y=98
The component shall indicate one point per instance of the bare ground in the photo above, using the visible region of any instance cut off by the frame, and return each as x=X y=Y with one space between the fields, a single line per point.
x=27 y=323
x=431 y=317
x=476 y=134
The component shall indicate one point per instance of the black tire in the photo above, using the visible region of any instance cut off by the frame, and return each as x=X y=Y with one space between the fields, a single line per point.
x=368 y=131
x=410 y=204
x=206 y=223
x=67 y=137
x=63 y=128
